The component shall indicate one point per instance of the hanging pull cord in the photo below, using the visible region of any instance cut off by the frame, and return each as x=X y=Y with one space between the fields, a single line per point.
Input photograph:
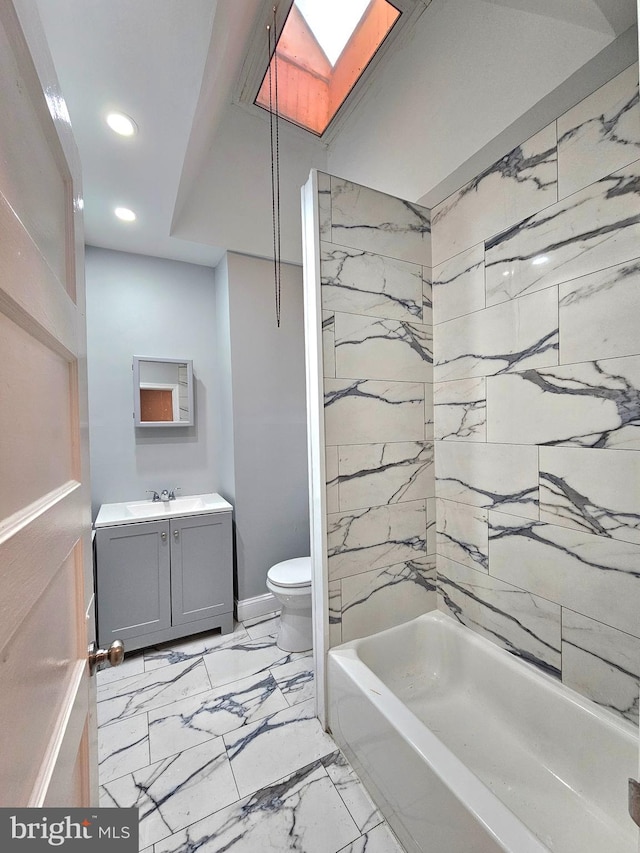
x=274 y=132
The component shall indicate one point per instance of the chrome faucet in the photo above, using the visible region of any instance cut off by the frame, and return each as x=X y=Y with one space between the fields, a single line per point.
x=165 y=494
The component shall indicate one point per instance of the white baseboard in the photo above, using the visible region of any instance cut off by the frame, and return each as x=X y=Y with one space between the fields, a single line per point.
x=253 y=608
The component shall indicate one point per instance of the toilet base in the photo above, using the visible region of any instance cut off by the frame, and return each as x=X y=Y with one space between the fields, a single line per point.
x=295 y=633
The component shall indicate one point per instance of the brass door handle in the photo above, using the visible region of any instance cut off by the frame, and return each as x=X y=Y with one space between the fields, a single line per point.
x=97 y=658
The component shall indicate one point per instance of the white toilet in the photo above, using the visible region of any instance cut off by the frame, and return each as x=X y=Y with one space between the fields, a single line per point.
x=290 y=582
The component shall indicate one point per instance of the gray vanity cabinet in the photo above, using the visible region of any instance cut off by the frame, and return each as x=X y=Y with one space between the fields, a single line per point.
x=161 y=580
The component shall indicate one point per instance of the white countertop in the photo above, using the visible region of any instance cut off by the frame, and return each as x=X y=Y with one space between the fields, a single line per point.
x=133 y=512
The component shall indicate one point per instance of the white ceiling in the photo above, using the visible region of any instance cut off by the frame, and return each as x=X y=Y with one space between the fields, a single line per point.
x=198 y=172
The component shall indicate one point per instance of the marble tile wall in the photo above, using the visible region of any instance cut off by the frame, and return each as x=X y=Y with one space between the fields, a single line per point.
x=375 y=267
x=536 y=370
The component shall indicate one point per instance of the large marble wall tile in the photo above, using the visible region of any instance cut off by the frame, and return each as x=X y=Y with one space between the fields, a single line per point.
x=360 y=411
x=431 y=526
x=597 y=491
x=461 y=410
x=592 y=404
x=463 y=534
x=601 y=663
x=522 y=623
x=429 y=414
x=324 y=205
x=594 y=228
x=335 y=613
x=600 y=134
x=521 y=333
x=427 y=296
x=375 y=538
x=600 y=314
x=379 y=599
x=458 y=285
x=374 y=348
x=491 y=476
x=598 y=576
x=359 y=282
x=520 y=184
x=370 y=220
x=376 y=474
x=331 y=470
x=328 y=344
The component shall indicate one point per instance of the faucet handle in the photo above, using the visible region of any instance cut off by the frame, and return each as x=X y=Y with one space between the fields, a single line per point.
x=156 y=496
x=172 y=493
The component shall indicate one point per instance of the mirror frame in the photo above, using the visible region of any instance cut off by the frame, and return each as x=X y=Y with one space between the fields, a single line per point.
x=137 y=359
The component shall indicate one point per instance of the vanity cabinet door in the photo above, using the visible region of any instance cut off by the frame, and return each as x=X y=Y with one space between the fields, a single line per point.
x=133 y=580
x=201 y=561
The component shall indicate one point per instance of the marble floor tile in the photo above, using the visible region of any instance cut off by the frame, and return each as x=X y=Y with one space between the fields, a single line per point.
x=263 y=626
x=276 y=746
x=189 y=722
x=123 y=747
x=354 y=795
x=133 y=664
x=245 y=658
x=176 y=792
x=302 y=812
x=140 y=693
x=196 y=646
x=378 y=840
x=296 y=680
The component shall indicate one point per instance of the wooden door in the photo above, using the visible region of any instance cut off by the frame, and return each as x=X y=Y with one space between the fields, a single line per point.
x=47 y=700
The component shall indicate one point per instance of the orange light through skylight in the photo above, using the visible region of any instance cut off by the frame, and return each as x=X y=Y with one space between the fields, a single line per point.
x=316 y=72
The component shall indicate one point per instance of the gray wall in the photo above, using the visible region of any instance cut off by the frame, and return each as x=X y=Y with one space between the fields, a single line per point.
x=137 y=305
x=268 y=446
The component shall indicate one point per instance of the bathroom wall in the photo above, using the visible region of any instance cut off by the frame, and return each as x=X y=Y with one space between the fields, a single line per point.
x=261 y=405
x=138 y=305
x=536 y=301
x=375 y=263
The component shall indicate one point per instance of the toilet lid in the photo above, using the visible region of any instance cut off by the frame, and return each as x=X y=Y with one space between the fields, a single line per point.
x=296 y=572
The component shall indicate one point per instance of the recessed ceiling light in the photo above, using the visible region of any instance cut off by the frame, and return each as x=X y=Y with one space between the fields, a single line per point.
x=125 y=214
x=122 y=124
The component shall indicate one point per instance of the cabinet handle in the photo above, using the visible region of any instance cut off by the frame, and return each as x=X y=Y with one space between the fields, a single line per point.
x=163 y=536
x=175 y=533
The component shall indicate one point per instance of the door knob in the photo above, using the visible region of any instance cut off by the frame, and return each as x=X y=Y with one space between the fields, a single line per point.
x=113 y=656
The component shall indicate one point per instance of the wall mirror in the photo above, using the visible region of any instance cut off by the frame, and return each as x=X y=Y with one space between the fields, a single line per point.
x=162 y=392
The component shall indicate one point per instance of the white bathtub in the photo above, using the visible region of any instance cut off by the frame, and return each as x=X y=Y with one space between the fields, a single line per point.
x=467 y=750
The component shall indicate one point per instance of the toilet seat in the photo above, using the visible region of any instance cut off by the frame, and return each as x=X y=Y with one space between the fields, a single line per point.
x=291 y=574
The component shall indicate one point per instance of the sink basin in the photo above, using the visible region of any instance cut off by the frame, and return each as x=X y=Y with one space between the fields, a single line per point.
x=132 y=511
x=157 y=509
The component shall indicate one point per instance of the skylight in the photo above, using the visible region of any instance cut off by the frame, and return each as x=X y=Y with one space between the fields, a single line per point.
x=332 y=22
x=323 y=48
